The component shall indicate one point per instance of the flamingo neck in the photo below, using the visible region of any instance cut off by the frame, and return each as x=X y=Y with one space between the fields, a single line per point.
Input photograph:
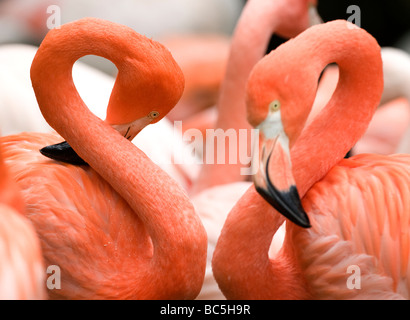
x=335 y=130
x=248 y=45
x=241 y=264
x=177 y=234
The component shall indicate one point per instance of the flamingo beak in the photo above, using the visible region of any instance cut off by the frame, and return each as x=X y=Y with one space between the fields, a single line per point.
x=274 y=179
x=62 y=152
x=65 y=153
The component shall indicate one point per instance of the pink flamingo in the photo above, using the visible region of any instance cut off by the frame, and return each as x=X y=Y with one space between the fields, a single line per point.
x=22 y=271
x=358 y=208
x=119 y=228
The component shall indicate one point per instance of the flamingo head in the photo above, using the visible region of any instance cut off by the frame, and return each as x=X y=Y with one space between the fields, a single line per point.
x=146 y=89
x=278 y=104
x=149 y=84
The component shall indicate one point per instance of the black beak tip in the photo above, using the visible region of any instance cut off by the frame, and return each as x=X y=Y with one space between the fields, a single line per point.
x=296 y=212
x=301 y=219
x=287 y=203
x=62 y=152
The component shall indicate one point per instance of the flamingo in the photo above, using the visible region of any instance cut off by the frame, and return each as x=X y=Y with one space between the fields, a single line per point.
x=345 y=213
x=219 y=187
x=22 y=271
x=119 y=228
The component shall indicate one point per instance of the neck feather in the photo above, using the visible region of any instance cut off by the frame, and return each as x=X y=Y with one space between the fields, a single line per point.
x=249 y=43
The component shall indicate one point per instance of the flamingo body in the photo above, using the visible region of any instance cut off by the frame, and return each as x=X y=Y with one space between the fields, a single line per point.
x=360 y=217
x=67 y=210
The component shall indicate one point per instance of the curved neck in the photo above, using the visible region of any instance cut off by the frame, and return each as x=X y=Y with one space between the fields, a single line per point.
x=335 y=130
x=241 y=264
x=248 y=45
x=158 y=200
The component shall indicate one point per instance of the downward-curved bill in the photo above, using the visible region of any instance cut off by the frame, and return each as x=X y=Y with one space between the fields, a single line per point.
x=274 y=179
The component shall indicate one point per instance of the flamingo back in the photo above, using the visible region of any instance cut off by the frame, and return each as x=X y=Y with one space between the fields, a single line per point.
x=360 y=215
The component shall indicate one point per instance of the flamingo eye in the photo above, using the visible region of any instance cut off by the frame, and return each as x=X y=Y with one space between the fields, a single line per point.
x=153 y=114
x=274 y=106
